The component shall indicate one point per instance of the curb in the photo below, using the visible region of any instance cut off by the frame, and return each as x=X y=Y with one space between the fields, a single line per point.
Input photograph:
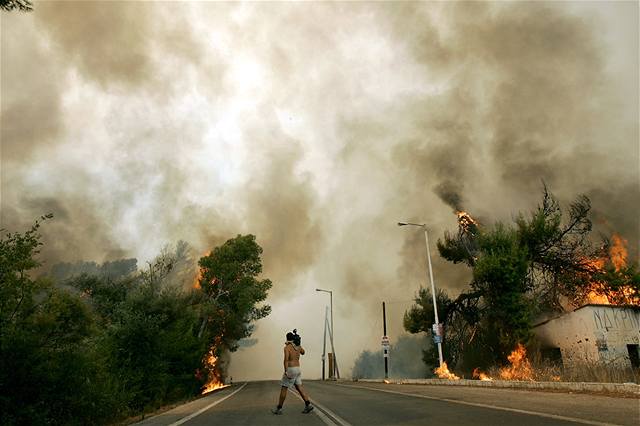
x=619 y=388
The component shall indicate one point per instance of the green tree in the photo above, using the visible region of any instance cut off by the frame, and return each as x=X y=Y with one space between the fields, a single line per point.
x=500 y=275
x=147 y=334
x=47 y=374
x=420 y=317
x=17 y=258
x=232 y=291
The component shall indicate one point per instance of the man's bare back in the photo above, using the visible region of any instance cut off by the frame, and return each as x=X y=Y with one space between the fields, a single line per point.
x=292 y=355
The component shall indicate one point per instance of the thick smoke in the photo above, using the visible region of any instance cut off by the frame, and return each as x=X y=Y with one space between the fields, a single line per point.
x=316 y=127
x=450 y=193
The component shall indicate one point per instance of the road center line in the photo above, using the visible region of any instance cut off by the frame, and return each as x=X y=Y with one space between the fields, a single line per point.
x=493 y=407
x=202 y=410
x=323 y=416
x=340 y=420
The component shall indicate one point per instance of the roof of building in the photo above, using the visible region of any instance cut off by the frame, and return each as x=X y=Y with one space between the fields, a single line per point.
x=599 y=305
x=606 y=305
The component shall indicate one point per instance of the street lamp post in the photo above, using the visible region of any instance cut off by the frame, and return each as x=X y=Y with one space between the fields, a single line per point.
x=433 y=288
x=330 y=303
x=335 y=365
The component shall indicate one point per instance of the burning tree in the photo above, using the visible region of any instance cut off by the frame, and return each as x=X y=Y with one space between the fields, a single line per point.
x=541 y=263
x=230 y=294
x=611 y=279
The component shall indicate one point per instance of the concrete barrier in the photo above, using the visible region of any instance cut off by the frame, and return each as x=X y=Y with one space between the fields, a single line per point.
x=619 y=388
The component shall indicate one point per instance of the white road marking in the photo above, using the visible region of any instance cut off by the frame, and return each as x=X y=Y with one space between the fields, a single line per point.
x=493 y=407
x=319 y=411
x=340 y=420
x=202 y=410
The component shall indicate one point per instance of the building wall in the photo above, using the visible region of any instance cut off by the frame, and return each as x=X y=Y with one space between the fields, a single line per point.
x=593 y=333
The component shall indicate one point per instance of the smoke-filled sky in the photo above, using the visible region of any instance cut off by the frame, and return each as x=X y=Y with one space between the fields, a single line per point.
x=315 y=126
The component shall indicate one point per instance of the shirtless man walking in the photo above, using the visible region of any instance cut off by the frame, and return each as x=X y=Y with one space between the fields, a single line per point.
x=292 y=375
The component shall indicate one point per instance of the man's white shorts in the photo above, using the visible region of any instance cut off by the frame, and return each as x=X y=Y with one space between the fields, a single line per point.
x=293 y=376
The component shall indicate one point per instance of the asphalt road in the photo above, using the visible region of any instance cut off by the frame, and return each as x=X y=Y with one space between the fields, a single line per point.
x=353 y=403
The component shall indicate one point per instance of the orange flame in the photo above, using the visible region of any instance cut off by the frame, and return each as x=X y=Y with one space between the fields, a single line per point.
x=618 y=252
x=198 y=277
x=520 y=368
x=443 y=372
x=196 y=281
x=214 y=376
x=465 y=220
x=618 y=255
x=477 y=374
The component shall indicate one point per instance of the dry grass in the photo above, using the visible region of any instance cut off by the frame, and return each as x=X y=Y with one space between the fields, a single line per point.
x=601 y=373
x=580 y=372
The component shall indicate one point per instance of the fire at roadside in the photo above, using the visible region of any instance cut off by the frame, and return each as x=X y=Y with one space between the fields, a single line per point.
x=214 y=375
x=519 y=369
x=610 y=282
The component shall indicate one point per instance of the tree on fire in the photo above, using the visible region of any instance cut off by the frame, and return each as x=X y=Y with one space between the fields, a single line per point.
x=538 y=264
x=231 y=291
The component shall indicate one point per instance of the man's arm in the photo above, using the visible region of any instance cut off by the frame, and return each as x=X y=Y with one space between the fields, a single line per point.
x=301 y=350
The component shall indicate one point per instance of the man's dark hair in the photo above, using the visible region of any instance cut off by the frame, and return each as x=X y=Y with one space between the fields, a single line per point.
x=289 y=336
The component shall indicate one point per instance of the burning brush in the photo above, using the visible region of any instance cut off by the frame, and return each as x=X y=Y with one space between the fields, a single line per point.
x=479 y=375
x=520 y=368
x=214 y=375
x=443 y=372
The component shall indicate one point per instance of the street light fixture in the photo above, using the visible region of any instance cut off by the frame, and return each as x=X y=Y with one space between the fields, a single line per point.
x=331 y=334
x=433 y=289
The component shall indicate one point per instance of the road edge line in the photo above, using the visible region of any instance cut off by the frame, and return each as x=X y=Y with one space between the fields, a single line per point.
x=202 y=410
x=493 y=407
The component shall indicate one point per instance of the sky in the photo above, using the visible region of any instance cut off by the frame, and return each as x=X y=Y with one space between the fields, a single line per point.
x=315 y=126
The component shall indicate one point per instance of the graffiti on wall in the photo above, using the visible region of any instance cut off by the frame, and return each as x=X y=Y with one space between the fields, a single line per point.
x=616 y=319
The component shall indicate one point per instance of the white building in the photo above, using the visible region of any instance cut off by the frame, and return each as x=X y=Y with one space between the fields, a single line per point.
x=608 y=334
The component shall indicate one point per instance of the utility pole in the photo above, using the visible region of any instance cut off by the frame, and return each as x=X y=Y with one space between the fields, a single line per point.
x=433 y=296
x=324 y=341
x=436 y=327
x=334 y=370
x=333 y=350
x=385 y=350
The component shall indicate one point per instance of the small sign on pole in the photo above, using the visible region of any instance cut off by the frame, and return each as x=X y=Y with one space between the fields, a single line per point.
x=437 y=329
